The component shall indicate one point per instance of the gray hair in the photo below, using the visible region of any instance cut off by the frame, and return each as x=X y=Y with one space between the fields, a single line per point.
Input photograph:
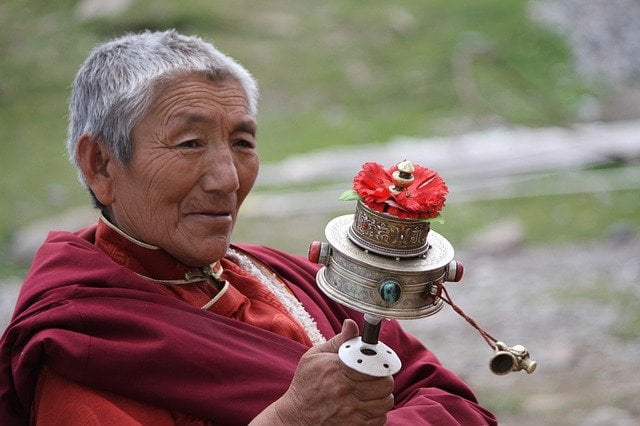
x=114 y=86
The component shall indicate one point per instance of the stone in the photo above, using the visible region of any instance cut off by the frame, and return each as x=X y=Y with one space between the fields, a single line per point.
x=92 y=9
x=25 y=241
x=9 y=288
x=499 y=237
x=621 y=232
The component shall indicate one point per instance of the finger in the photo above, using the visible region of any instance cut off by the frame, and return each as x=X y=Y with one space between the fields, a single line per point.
x=378 y=421
x=374 y=390
x=375 y=408
x=349 y=331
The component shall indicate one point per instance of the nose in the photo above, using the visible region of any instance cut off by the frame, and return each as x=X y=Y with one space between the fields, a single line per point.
x=219 y=171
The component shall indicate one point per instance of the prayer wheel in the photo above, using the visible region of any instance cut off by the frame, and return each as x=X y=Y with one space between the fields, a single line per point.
x=385 y=267
x=388 y=266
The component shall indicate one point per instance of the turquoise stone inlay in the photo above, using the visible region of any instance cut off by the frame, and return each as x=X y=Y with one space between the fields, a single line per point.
x=390 y=291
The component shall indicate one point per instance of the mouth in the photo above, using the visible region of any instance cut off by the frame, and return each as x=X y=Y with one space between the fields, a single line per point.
x=212 y=215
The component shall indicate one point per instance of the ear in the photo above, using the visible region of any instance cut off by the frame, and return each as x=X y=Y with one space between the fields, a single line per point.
x=94 y=162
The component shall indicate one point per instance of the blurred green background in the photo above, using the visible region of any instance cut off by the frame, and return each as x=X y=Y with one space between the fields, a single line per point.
x=331 y=73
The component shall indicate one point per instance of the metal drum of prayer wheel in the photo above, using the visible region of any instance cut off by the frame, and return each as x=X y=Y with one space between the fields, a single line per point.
x=386 y=262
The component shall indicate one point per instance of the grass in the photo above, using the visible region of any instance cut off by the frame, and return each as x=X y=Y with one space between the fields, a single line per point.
x=351 y=75
x=549 y=219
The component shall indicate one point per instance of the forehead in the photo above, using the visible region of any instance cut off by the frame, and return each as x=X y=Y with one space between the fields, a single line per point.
x=198 y=97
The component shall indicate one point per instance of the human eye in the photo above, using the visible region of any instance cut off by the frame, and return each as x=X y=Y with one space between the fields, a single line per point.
x=244 y=143
x=191 y=143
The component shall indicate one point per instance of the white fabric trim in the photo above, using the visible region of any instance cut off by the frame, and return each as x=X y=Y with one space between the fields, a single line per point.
x=275 y=286
x=125 y=235
x=217 y=296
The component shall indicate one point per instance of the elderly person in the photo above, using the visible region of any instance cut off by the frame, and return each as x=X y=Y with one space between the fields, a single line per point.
x=151 y=316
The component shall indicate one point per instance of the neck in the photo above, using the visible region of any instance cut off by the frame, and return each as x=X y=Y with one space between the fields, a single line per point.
x=145 y=259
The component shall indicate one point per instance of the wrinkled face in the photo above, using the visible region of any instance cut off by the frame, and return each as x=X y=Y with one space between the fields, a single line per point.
x=194 y=161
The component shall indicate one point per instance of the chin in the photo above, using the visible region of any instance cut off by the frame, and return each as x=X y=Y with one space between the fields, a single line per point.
x=206 y=254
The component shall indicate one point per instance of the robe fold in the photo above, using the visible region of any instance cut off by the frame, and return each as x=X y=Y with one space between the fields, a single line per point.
x=97 y=323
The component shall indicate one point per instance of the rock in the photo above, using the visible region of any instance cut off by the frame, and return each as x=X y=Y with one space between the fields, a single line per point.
x=25 y=241
x=278 y=23
x=401 y=20
x=498 y=238
x=92 y=9
x=359 y=74
x=622 y=103
x=9 y=289
x=621 y=232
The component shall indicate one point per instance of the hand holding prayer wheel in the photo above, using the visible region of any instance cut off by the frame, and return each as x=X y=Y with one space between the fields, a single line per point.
x=325 y=391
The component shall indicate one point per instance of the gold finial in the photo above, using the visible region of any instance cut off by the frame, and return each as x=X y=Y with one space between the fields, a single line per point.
x=406 y=167
x=402 y=178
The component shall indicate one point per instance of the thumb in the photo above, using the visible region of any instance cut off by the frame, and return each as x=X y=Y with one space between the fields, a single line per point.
x=349 y=331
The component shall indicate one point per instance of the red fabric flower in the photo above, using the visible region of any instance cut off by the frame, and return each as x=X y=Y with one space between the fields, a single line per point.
x=423 y=199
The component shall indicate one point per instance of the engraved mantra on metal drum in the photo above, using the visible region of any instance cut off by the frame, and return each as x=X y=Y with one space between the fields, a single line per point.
x=386 y=235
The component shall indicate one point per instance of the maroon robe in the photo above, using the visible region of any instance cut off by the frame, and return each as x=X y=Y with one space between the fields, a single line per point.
x=100 y=324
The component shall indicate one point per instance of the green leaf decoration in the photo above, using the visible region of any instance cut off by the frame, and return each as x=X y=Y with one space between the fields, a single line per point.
x=349 y=195
x=439 y=219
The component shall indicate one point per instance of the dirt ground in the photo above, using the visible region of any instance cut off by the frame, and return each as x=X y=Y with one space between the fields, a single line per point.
x=575 y=307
